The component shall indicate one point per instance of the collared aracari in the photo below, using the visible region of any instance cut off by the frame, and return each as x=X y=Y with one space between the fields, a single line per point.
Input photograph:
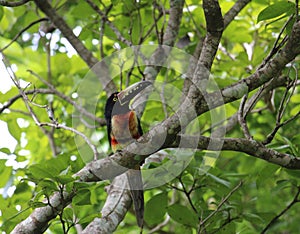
x=123 y=127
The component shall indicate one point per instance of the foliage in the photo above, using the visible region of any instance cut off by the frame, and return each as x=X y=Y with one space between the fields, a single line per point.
x=239 y=194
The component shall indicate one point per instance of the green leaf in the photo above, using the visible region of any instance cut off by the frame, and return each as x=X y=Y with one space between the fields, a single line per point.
x=49 y=185
x=89 y=218
x=68 y=214
x=282 y=184
x=36 y=204
x=22 y=188
x=5 y=173
x=219 y=180
x=38 y=171
x=275 y=10
x=1 y=13
x=156 y=208
x=14 y=129
x=5 y=150
x=183 y=215
x=293 y=173
x=81 y=185
x=64 y=179
x=83 y=197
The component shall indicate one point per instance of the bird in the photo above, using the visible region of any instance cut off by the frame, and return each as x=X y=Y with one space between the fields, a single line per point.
x=124 y=127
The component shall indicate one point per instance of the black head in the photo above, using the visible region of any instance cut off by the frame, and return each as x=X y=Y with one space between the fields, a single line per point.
x=113 y=106
x=118 y=103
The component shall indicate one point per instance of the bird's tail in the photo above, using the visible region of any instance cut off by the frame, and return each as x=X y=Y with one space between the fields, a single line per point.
x=137 y=194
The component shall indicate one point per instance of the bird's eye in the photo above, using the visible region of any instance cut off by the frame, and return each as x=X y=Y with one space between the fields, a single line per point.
x=115 y=99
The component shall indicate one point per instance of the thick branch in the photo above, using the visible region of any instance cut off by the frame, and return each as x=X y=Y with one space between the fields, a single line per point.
x=37 y=222
x=214 y=28
x=213 y=16
x=116 y=206
x=249 y=147
x=260 y=77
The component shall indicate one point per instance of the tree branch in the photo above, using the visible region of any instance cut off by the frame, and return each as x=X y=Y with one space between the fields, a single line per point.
x=234 y=11
x=11 y=101
x=116 y=206
x=169 y=38
x=109 y=23
x=250 y=147
x=37 y=222
x=242 y=118
x=22 y=31
x=225 y=199
x=292 y=203
x=260 y=76
x=78 y=107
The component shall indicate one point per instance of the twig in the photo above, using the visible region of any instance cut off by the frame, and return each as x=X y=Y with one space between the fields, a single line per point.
x=273 y=221
x=35 y=118
x=86 y=139
x=234 y=10
x=160 y=225
x=276 y=47
x=220 y=205
x=187 y=194
x=152 y=26
x=22 y=31
x=242 y=118
x=282 y=107
x=271 y=136
x=78 y=45
x=109 y=23
x=273 y=84
x=15 y=98
x=69 y=100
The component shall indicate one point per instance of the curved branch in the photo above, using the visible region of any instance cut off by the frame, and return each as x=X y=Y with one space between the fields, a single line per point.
x=259 y=77
x=52 y=90
x=250 y=147
x=213 y=17
x=15 y=98
x=214 y=28
x=289 y=206
x=234 y=11
x=22 y=31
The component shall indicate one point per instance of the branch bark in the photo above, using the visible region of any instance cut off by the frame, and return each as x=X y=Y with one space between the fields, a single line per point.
x=116 y=206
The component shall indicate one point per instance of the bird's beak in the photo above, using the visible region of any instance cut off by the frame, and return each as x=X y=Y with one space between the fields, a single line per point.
x=127 y=95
